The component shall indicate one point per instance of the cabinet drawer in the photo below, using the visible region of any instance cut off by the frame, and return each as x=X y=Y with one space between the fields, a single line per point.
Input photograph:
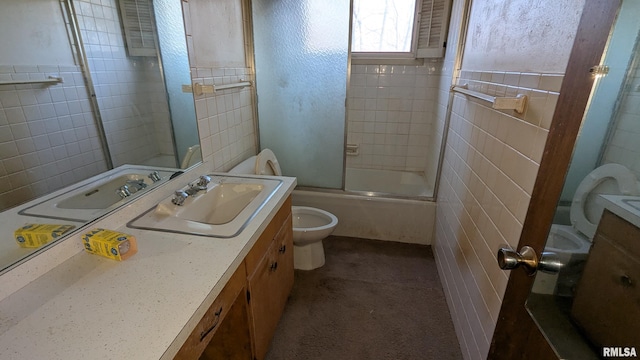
x=206 y=328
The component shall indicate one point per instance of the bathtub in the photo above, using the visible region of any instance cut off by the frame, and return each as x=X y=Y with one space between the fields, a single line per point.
x=402 y=220
x=404 y=183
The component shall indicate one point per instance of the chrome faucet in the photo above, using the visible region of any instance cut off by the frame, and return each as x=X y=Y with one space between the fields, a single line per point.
x=180 y=196
x=200 y=185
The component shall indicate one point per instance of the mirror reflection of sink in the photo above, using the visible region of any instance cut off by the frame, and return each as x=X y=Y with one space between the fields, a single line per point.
x=95 y=198
x=625 y=206
x=104 y=195
x=223 y=210
x=633 y=203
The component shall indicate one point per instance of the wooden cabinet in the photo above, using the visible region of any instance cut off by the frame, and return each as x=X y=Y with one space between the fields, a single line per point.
x=270 y=279
x=606 y=303
x=216 y=316
x=241 y=321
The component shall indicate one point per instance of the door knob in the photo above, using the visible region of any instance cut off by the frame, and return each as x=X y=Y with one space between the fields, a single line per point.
x=527 y=258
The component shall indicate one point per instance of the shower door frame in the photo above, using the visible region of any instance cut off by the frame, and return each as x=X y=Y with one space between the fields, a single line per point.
x=248 y=11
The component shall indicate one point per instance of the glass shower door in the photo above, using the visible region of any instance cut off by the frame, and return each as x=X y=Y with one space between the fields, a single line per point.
x=301 y=59
x=175 y=66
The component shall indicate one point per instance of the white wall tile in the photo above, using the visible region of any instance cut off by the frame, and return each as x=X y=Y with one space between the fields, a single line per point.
x=393 y=98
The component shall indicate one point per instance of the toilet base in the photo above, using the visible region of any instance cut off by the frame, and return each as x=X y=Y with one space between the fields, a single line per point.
x=308 y=257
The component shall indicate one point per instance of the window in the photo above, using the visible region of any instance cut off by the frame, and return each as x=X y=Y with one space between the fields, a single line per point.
x=399 y=28
x=383 y=25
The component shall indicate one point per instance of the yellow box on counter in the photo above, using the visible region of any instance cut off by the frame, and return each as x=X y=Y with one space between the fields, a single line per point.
x=36 y=235
x=111 y=244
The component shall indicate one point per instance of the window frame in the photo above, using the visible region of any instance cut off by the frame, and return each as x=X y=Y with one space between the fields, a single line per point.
x=401 y=57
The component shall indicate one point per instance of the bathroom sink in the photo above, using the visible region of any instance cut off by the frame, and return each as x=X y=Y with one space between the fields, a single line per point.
x=93 y=198
x=223 y=210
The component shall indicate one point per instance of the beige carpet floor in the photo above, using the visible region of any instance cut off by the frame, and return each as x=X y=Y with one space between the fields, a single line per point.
x=371 y=300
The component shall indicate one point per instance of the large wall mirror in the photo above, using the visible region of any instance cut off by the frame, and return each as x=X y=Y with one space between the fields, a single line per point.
x=122 y=99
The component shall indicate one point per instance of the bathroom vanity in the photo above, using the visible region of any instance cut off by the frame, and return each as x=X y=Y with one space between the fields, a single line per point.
x=181 y=296
x=241 y=321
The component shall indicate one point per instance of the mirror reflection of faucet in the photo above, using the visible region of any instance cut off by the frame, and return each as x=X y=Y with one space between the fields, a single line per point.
x=130 y=187
x=154 y=176
x=123 y=191
x=136 y=184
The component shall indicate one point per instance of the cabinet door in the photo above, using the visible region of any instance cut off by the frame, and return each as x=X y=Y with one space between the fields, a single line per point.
x=606 y=303
x=265 y=301
x=232 y=340
x=284 y=244
x=211 y=321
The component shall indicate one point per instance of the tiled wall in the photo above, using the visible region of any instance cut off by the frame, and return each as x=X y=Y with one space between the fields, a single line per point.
x=391 y=115
x=226 y=118
x=490 y=165
x=491 y=157
x=130 y=89
x=624 y=145
x=48 y=136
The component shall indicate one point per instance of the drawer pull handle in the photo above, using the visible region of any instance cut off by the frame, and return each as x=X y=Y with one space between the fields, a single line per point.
x=282 y=249
x=205 y=333
x=274 y=266
x=626 y=281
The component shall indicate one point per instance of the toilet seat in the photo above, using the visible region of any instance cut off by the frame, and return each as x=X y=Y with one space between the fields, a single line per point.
x=584 y=207
x=267 y=164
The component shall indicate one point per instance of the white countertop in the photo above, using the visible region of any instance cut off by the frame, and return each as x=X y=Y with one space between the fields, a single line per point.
x=90 y=307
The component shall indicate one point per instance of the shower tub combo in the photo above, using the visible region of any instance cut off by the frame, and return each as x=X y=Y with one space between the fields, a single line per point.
x=380 y=218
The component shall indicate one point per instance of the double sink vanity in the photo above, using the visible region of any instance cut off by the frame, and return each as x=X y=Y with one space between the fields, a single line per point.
x=210 y=280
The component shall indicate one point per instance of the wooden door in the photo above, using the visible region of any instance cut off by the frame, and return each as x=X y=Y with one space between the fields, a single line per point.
x=517 y=335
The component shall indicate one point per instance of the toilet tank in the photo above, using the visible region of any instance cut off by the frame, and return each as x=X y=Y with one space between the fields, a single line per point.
x=246 y=167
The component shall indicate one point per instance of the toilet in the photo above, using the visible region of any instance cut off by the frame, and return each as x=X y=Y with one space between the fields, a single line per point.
x=310 y=225
x=571 y=243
